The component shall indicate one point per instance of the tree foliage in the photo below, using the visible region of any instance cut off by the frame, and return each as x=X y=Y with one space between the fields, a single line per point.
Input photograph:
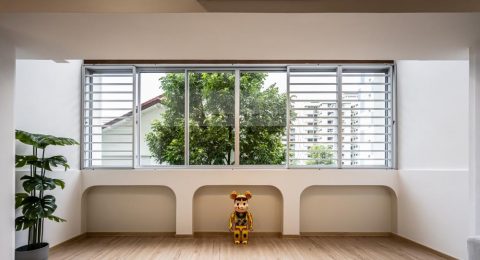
x=212 y=120
x=321 y=154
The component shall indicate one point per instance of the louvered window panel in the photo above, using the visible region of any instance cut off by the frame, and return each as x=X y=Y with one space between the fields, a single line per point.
x=108 y=117
x=367 y=117
x=313 y=117
x=341 y=116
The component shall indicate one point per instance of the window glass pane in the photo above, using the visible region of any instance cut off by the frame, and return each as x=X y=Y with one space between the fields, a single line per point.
x=162 y=113
x=263 y=102
x=366 y=118
x=212 y=118
x=313 y=118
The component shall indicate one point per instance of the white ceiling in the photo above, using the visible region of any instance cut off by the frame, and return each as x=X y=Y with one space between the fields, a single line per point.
x=242 y=36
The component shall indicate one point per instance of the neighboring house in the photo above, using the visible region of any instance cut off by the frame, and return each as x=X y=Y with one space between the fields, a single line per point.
x=112 y=132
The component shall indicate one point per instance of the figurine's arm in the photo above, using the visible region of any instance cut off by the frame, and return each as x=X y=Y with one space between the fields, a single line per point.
x=250 y=221
x=232 y=220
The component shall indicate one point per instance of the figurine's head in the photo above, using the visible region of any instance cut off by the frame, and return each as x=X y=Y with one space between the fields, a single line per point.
x=240 y=201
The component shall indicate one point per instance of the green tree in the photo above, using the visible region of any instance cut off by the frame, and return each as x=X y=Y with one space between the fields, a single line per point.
x=321 y=154
x=212 y=120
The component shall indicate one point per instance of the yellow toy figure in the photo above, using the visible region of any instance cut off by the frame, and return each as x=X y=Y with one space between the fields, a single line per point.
x=241 y=221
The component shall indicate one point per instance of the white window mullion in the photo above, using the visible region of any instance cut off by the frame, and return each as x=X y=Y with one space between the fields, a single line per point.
x=288 y=120
x=339 y=117
x=135 y=124
x=237 y=117
x=393 y=117
x=187 y=116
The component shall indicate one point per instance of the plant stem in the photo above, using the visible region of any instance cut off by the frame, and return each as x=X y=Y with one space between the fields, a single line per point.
x=40 y=230
x=40 y=221
x=34 y=234
x=30 y=236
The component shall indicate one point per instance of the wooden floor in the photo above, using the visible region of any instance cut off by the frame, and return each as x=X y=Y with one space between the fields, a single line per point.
x=221 y=247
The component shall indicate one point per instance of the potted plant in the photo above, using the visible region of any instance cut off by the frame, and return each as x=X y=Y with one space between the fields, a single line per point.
x=35 y=204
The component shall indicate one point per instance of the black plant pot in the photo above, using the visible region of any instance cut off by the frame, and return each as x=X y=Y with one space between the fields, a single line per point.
x=35 y=252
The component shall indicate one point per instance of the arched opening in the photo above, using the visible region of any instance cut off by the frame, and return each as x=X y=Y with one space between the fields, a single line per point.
x=128 y=209
x=212 y=207
x=348 y=209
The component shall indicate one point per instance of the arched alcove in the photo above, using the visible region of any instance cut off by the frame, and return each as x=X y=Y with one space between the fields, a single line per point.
x=349 y=209
x=212 y=207
x=128 y=209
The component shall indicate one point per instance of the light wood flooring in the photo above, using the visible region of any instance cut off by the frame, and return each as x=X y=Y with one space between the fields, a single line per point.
x=222 y=247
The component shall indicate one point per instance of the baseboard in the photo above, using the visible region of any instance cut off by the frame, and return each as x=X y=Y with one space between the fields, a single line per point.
x=130 y=234
x=396 y=236
x=345 y=234
x=73 y=239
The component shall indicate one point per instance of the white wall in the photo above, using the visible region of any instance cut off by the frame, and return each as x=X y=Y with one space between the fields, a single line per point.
x=433 y=154
x=474 y=144
x=48 y=102
x=432 y=114
x=347 y=209
x=7 y=141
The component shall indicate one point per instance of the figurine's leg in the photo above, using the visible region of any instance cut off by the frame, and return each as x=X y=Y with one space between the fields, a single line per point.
x=236 y=236
x=245 y=236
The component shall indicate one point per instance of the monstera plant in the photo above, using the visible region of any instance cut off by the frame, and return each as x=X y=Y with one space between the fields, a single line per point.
x=35 y=203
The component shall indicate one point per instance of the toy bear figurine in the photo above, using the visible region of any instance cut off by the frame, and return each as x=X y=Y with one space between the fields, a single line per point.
x=241 y=221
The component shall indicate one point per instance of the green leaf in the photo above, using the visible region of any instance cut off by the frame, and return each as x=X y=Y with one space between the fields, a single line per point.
x=34 y=207
x=37 y=182
x=19 y=197
x=321 y=154
x=59 y=183
x=22 y=223
x=22 y=160
x=55 y=161
x=42 y=141
x=46 y=163
x=56 y=219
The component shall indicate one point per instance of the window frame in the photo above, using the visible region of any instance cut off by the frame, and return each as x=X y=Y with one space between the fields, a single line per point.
x=237 y=69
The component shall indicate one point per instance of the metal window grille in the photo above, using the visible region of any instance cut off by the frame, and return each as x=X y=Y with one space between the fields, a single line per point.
x=313 y=117
x=341 y=116
x=108 y=116
x=367 y=117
